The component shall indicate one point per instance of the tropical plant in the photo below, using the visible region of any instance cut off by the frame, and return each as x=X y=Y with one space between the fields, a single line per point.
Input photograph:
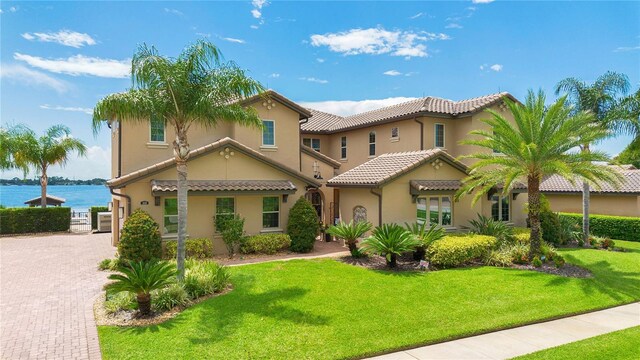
x=603 y=100
x=52 y=148
x=205 y=277
x=303 y=226
x=350 y=232
x=196 y=88
x=390 y=240
x=537 y=143
x=425 y=236
x=630 y=154
x=169 y=297
x=141 y=278
x=485 y=225
x=232 y=233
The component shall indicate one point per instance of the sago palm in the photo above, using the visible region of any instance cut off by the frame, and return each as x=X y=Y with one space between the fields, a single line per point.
x=39 y=153
x=141 y=278
x=425 y=236
x=541 y=141
x=390 y=240
x=603 y=100
x=350 y=232
x=196 y=88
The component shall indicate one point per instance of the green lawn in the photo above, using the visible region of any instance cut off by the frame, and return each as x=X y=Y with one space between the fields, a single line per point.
x=322 y=309
x=623 y=344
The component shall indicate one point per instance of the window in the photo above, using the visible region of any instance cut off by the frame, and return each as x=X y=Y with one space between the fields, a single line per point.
x=372 y=143
x=156 y=126
x=225 y=209
x=395 y=133
x=270 y=212
x=500 y=207
x=312 y=143
x=170 y=216
x=343 y=147
x=439 y=135
x=435 y=210
x=268 y=133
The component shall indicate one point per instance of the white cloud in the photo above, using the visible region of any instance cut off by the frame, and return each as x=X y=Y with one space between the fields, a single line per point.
x=482 y=1
x=67 y=108
x=174 y=12
x=23 y=75
x=201 y=34
x=376 y=41
x=320 y=60
x=13 y=9
x=496 y=67
x=392 y=73
x=350 y=107
x=627 y=48
x=453 y=26
x=256 y=12
x=234 y=40
x=315 y=80
x=80 y=65
x=62 y=37
x=253 y=26
x=274 y=75
x=420 y=14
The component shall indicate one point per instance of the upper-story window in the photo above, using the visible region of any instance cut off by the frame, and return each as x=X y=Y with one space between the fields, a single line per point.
x=157 y=129
x=395 y=133
x=372 y=143
x=268 y=133
x=343 y=147
x=439 y=135
x=312 y=143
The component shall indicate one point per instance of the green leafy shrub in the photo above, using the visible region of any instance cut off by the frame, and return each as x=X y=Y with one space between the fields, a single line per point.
x=558 y=261
x=454 y=251
x=424 y=236
x=569 y=231
x=600 y=242
x=550 y=224
x=94 y=210
x=109 y=264
x=140 y=238
x=350 y=232
x=265 y=244
x=119 y=301
x=204 y=278
x=198 y=248
x=390 y=240
x=614 y=227
x=303 y=226
x=499 y=257
x=519 y=253
x=232 y=230
x=485 y=225
x=34 y=220
x=169 y=297
x=536 y=262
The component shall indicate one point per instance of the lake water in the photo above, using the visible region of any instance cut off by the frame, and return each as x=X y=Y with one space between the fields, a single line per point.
x=78 y=197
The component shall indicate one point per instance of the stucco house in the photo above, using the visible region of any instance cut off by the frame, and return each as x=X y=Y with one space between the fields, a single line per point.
x=395 y=164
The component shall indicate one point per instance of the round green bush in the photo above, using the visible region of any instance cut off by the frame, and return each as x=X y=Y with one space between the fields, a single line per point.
x=140 y=238
x=303 y=226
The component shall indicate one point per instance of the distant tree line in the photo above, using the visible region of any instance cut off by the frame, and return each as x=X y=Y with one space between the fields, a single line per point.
x=54 y=180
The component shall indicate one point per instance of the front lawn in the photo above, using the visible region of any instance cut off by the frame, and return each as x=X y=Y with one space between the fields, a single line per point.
x=323 y=309
x=623 y=344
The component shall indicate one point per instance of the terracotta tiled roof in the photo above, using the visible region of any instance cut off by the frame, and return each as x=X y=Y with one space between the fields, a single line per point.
x=435 y=185
x=155 y=168
x=320 y=156
x=224 y=185
x=322 y=122
x=558 y=184
x=387 y=167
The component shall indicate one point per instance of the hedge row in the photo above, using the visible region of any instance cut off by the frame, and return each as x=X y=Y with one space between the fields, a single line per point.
x=614 y=227
x=34 y=220
x=94 y=215
x=452 y=251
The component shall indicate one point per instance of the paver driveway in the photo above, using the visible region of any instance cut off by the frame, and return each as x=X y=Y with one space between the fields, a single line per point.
x=47 y=288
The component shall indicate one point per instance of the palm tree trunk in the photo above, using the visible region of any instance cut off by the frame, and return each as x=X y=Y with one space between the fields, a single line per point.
x=144 y=303
x=393 y=262
x=43 y=187
x=181 y=148
x=352 y=245
x=534 y=215
x=586 y=200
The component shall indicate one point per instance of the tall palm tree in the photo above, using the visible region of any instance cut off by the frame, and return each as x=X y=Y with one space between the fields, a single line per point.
x=196 y=88
x=540 y=142
x=39 y=153
x=602 y=99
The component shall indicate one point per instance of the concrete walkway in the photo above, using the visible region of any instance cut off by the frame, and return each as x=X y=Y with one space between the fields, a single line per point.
x=523 y=340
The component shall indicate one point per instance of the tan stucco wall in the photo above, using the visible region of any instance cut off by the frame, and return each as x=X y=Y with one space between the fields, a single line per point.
x=352 y=197
x=600 y=204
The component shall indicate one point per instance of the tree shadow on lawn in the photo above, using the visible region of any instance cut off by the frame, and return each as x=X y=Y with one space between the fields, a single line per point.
x=219 y=318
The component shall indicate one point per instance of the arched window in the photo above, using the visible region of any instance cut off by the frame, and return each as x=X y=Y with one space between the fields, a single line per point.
x=359 y=214
x=372 y=143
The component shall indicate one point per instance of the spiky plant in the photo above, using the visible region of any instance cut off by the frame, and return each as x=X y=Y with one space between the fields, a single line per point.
x=485 y=225
x=426 y=236
x=350 y=232
x=390 y=240
x=141 y=278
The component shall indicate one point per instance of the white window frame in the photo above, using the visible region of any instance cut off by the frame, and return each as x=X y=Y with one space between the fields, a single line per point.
x=500 y=209
x=375 y=139
x=427 y=199
x=164 y=132
x=397 y=137
x=271 y=212
x=164 y=216
x=343 y=147
x=435 y=135
x=311 y=141
x=274 y=134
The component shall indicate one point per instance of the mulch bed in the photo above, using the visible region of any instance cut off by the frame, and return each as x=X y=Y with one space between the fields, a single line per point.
x=131 y=318
x=567 y=270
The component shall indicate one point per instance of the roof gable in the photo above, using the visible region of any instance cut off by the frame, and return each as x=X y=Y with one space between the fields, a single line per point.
x=272 y=94
x=320 y=156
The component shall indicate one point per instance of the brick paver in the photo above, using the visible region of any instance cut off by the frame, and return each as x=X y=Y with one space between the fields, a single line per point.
x=47 y=288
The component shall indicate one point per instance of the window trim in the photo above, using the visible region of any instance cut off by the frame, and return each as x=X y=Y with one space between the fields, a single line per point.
x=271 y=212
x=343 y=147
x=375 y=138
x=435 y=136
x=274 y=134
x=427 y=198
x=216 y=206
x=164 y=133
x=500 y=208
x=164 y=216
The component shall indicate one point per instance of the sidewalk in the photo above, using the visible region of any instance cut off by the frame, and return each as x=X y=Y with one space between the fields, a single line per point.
x=509 y=343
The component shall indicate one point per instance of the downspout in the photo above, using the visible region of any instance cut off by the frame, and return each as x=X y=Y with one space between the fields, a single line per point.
x=119 y=149
x=124 y=196
x=421 y=132
x=379 y=195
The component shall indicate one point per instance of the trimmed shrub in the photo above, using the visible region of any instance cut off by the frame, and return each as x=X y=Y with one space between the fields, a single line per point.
x=198 y=248
x=265 y=244
x=109 y=264
x=140 y=238
x=452 y=251
x=94 y=210
x=34 y=220
x=169 y=297
x=303 y=226
x=614 y=227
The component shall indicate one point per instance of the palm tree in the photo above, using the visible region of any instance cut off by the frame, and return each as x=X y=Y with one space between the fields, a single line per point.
x=539 y=143
x=350 y=232
x=425 y=236
x=197 y=88
x=390 y=240
x=52 y=148
x=141 y=278
x=602 y=99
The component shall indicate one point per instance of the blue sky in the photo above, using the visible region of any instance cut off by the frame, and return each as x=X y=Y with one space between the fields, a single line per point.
x=59 y=58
